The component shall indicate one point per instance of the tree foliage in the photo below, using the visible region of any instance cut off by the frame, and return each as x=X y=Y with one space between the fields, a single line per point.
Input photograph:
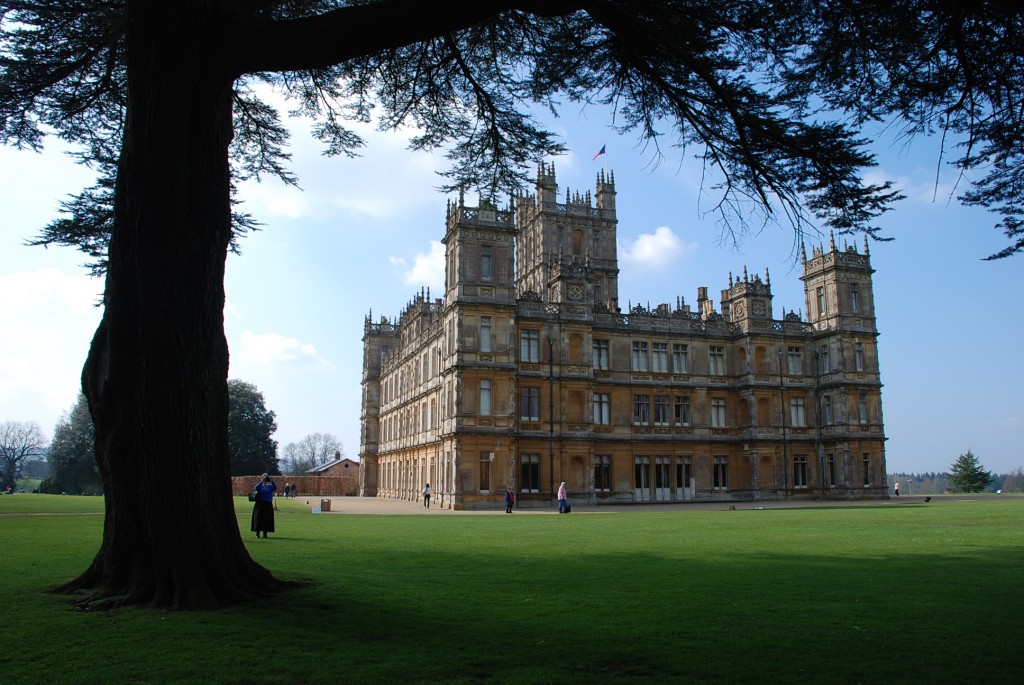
x=163 y=100
x=250 y=429
x=967 y=475
x=769 y=94
x=20 y=441
x=72 y=455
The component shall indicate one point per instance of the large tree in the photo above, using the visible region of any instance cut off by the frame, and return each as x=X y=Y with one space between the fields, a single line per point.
x=20 y=441
x=252 y=449
x=72 y=454
x=967 y=475
x=160 y=96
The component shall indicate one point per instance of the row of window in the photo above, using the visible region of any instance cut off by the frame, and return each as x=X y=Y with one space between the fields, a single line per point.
x=529 y=472
x=648 y=410
x=654 y=357
x=661 y=357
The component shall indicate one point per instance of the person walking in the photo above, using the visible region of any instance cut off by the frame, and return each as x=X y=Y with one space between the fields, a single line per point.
x=510 y=499
x=563 y=499
x=897 y=488
x=426 y=495
x=263 y=508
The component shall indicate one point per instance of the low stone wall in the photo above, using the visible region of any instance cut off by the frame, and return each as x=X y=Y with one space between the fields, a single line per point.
x=309 y=486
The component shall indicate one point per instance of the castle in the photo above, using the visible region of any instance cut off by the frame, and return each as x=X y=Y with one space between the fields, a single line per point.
x=527 y=373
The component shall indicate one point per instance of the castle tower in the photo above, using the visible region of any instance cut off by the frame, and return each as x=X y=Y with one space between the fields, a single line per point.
x=479 y=254
x=378 y=341
x=567 y=252
x=838 y=288
x=748 y=301
x=848 y=390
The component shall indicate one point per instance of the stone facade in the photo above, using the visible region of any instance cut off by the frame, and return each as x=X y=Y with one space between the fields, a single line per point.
x=528 y=373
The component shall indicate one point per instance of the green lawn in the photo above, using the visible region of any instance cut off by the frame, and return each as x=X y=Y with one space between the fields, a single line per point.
x=929 y=593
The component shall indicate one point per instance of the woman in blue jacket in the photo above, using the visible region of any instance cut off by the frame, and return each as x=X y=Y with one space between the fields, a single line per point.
x=263 y=509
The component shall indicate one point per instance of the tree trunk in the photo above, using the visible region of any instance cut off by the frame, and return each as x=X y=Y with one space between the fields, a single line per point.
x=156 y=374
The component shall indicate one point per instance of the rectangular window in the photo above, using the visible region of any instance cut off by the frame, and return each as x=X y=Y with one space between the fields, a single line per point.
x=529 y=473
x=683 y=473
x=800 y=471
x=602 y=473
x=858 y=357
x=682 y=411
x=797 y=414
x=831 y=458
x=485 y=262
x=867 y=469
x=662 y=473
x=716 y=360
x=661 y=410
x=862 y=409
x=641 y=409
x=529 y=404
x=642 y=473
x=601 y=354
x=680 y=364
x=640 y=356
x=718 y=412
x=485 y=334
x=659 y=357
x=485 y=398
x=529 y=346
x=486 y=458
x=854 y=297
x=829 y=417
x=602 y=409
x=721 y=473
x=821 y=301
x=794 y=357
x=824 y=366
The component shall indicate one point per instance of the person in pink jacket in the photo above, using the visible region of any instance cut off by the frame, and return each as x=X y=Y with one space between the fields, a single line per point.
x=563 y=499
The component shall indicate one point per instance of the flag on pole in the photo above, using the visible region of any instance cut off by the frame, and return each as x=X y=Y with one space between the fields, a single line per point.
x=599 y=152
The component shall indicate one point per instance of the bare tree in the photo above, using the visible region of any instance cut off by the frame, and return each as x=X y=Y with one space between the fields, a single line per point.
x=19 y=442
x=311 y=451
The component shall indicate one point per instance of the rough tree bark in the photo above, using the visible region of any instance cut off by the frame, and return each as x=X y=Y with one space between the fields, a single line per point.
x=156 y=374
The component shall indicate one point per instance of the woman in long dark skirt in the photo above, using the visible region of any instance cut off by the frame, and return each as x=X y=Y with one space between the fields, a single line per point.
x=263 y=509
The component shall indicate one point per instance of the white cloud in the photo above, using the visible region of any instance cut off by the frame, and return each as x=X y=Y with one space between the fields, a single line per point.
x=385 y=182
x=655 y=251
x=266 y=349
x=427 y=269
x=921 y=188
x=50 y=318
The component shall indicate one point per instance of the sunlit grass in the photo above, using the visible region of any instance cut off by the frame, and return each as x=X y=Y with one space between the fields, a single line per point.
x=843 y=595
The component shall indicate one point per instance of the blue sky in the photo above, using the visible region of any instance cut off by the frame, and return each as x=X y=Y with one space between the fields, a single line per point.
x=364 y=234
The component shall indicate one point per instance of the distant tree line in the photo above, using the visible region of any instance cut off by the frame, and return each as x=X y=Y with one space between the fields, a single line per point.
x=965 y=475
x=69 y=465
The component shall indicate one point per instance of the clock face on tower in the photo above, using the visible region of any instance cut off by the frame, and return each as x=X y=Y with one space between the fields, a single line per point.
x=575 y=292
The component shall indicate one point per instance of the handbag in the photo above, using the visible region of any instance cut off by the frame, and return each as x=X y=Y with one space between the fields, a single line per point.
x=252 y=496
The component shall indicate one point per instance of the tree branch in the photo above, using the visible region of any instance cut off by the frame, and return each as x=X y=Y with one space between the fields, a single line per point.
x=263 y=44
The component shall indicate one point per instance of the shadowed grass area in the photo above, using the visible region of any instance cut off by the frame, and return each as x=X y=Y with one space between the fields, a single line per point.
x=844 y=595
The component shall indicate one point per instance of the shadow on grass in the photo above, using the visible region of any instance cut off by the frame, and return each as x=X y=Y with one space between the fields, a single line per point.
x=420 y=617
x=728 y=597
